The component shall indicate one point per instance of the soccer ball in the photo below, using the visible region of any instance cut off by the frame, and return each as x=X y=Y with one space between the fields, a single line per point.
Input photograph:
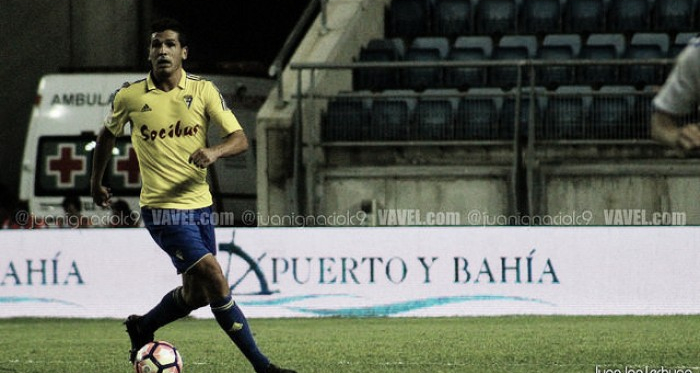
x=158 y=357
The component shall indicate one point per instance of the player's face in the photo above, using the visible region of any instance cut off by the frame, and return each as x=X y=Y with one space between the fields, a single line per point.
x=166 y=52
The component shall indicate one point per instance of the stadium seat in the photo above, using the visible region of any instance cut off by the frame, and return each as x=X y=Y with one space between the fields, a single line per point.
x=601 y=47
x=391 y=115
x=408 y=18
x=452 y=18
x=496 y=17
x=565 y=113
x=347 y=119
x=641 y=118
x=527 y=41
x=584 y=16
x=540 y=16
x=570 y=40
x=629 y=16
x=468 y=48
x=379 y=50
x=478 y=114
x=434 y=115
x=558 y=47
x=555 y=75
x=673 y=15
x=506 y=128
x=610 y=113
x=679 y=43
x=425 y=49
x=645 y=46
x=507 y=76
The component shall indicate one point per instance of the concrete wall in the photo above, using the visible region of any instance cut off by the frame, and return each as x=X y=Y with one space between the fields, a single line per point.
x=351 y=23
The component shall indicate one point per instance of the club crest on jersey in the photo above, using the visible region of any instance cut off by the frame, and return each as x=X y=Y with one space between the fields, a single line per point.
x=188 y=100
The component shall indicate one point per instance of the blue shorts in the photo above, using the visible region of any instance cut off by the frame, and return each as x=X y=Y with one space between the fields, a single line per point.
x=186 y=236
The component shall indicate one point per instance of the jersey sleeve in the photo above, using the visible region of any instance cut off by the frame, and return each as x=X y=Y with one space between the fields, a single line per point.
x=678 y=95
x=118 y=117
x=218 y=111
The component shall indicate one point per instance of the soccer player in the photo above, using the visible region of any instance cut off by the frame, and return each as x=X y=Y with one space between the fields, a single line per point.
x=169 y=112
x=679 y=96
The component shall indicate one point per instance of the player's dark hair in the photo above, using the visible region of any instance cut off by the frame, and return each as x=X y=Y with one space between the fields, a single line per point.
x=163 y=24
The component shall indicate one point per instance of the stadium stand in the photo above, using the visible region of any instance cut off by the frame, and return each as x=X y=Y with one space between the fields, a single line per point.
x=584 y=16
x=434 y=115
x=408 y=18
x=496 y=17
x=347 y=119
x=380 y=50
x=425 y=49
x=673 y=16
x=610 y=113
x=629 y=16
x=478 y=114
x=391 y=116
x=468 y=48
x=645 y=46
x=565 y=112
x=452 y=18
x=540 y=16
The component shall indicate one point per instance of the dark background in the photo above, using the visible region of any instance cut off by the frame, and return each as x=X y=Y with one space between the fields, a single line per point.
x=51 y=36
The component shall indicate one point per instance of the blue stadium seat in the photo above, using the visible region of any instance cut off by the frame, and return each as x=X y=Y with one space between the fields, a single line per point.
x=379 y=50
x=496 y=17
x=629 y=16
x=645 y=46
x=610 y=113
x=527 y=41
x=584 y=16
x=506 y=128
x=408 y=18
x=478 y=114
x=679 y=43
x=558 y=47
x=347 y=119
x=507 y=76
x=391 y=115
x=425 y=49
x=555 y=75
x=540 y=16
x=468 y=48
x=452 y=18
x=673 y=15
x=601 y=47
x=565 y=113
x=572 y=41
x=434 y=115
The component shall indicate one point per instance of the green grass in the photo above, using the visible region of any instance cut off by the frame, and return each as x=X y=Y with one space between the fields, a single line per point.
x=406 y=345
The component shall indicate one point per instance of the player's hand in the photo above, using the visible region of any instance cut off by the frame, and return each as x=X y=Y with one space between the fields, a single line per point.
x=101 y=195
x=689 y=137
x=203 y=157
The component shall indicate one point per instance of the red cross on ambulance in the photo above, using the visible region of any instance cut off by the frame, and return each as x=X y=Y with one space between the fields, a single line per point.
x=126 y=165
x=66 y=165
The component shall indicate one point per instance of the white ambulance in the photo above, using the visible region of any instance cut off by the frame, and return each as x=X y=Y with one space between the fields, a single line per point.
x=69 y=111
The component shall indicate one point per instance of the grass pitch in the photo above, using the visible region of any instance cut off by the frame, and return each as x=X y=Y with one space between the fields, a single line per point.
x=406 y=345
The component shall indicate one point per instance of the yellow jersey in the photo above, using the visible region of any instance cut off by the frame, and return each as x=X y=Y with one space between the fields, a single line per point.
x=166 y=128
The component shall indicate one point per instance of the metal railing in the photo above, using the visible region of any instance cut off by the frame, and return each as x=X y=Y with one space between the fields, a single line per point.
x=293 y=39
x=522 y=117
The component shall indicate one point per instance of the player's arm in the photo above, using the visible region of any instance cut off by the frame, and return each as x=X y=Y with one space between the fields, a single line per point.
x=101 y=156
x=665 y=129
x=233 y=144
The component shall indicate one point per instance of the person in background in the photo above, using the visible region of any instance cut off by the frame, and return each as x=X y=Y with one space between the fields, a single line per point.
x=122 y=215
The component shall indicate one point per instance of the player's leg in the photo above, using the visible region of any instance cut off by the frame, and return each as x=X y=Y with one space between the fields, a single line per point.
x=185 y=252
x=207 y=277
